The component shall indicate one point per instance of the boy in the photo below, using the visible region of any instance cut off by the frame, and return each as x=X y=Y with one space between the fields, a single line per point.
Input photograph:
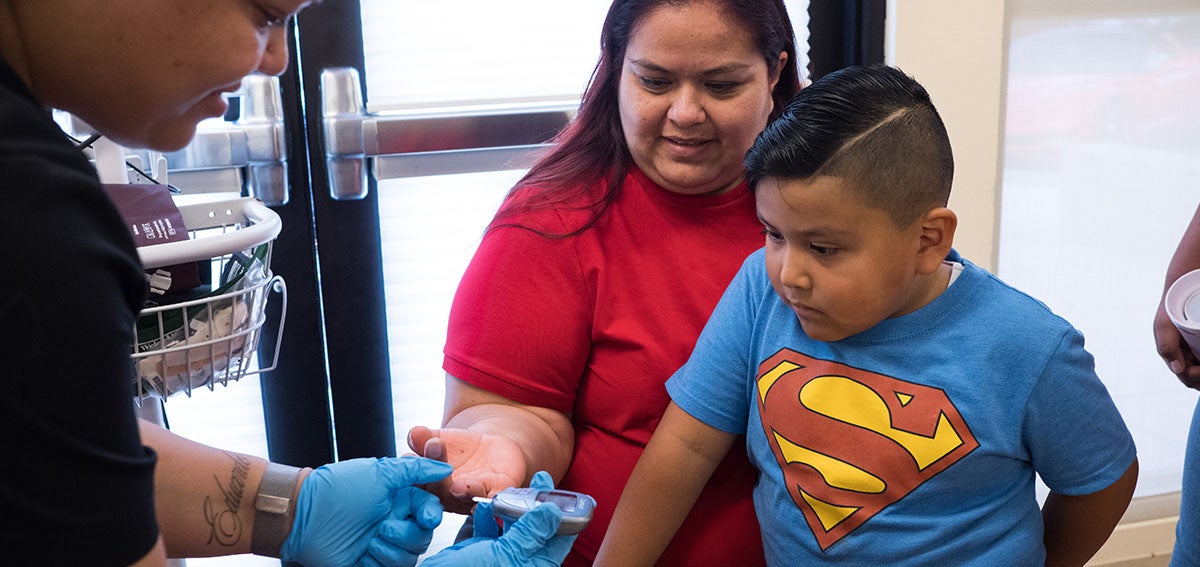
x=896 y=399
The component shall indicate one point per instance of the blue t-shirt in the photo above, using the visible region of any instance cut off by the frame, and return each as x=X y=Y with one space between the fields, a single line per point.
x=914 y=442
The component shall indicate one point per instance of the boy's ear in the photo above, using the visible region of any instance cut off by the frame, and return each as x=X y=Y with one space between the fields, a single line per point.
x=937 y=237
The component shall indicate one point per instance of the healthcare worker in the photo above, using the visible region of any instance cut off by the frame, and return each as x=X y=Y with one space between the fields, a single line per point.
x=83 y=481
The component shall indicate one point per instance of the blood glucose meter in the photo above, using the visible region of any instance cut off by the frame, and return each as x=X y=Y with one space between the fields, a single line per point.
x=512 y=503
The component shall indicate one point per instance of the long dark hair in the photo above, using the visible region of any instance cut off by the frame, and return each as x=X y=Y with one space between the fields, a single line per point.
x=590 y=152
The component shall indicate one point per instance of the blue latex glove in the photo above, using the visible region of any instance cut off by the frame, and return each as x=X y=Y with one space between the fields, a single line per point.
x=528 y=541
x=365 y=513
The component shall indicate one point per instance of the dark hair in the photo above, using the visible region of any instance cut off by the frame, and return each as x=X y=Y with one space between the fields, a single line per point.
x=874 y=127
x=590 y=152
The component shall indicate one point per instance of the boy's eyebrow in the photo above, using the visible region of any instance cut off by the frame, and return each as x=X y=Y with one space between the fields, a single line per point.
x=820 y=232
x=721 y=70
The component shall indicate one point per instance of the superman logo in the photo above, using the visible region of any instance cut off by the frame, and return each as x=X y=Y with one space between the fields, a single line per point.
x=851 y=442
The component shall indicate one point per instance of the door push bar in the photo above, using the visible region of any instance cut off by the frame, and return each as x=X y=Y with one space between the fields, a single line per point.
x=419 y=143
x=254 y=144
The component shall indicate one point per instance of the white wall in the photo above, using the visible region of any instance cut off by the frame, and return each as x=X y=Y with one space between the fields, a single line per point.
x=956 y=50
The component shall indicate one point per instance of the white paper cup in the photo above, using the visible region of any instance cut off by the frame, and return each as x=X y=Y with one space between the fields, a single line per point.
x=1182 y=303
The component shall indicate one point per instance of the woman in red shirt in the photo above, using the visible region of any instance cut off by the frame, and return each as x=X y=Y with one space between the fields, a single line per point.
x=603 y=264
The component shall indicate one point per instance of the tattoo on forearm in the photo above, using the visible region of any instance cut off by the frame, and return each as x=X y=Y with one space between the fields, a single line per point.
x=223 y=516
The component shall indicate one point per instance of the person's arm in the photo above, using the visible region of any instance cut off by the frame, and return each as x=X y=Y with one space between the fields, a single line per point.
x=1179 y=358
x=339 y=514
x=1077 y=526
x=493 y=443
x=204 y=497
x=677 y=463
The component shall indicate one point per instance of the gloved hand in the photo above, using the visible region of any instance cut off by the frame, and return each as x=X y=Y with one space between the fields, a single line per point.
x=531 y=540
x=365 y=512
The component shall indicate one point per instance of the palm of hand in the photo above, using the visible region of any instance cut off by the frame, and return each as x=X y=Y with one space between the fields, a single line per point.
x=483 y=464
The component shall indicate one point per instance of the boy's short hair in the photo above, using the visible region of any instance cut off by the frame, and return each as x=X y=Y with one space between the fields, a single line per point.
x=874 y=127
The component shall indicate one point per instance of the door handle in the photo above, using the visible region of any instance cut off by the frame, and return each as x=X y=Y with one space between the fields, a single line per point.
x=248 y=155
x=252 y=148
x=421 y=142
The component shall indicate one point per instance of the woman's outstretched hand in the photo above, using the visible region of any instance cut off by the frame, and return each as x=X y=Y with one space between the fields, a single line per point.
x=483 y=464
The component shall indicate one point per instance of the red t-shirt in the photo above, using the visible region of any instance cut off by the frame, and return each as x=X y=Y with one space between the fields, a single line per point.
x=593 y=325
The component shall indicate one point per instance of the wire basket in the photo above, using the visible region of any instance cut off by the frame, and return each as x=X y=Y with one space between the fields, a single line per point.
x=211 y=337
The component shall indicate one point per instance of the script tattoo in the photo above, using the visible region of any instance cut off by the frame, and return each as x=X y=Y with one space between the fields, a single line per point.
x=223 y=516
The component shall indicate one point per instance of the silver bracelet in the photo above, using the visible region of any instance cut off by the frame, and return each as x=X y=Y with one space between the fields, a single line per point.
x=271 y=506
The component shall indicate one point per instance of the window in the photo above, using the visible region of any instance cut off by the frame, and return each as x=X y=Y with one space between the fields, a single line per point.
x=503 y=55
x=1098 y=185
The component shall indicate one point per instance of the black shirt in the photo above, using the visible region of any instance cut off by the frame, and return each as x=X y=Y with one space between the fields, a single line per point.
x=76 y=484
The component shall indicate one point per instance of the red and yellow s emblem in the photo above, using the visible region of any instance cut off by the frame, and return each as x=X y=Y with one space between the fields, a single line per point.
x=851 y=442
